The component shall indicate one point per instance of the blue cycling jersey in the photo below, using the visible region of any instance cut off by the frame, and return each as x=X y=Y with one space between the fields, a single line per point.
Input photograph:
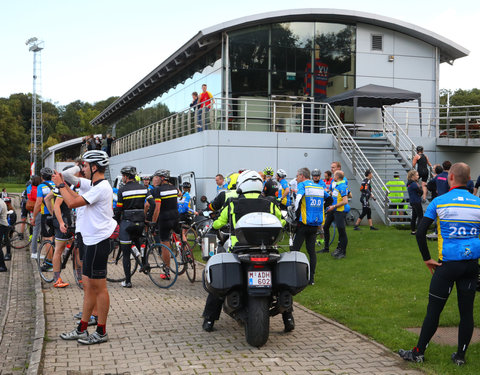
x=283 y=185
x=338 y=192
x=42 y=191
x=310 y=197
x=183 y=203
x=321 y=183
x=458 y=223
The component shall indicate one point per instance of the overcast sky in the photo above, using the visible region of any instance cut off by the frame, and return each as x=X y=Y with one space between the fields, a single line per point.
x=95 y=49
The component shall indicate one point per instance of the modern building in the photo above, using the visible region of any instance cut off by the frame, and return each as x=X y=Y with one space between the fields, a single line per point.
x=270 y=75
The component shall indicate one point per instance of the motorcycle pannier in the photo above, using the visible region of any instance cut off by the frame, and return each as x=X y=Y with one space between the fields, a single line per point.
x=223 y=272
x=292 y=272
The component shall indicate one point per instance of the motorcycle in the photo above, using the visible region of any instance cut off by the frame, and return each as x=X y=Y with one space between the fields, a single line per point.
x=255 y=280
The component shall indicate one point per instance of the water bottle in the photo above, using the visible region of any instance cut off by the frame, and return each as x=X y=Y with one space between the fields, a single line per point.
x=135 y=251
x=142 y=249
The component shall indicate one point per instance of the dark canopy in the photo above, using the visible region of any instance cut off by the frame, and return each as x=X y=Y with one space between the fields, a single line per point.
x=374 y=96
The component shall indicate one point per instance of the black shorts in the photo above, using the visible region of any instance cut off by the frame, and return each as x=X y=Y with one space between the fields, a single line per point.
x=23 y=210
x=59 y=235
x=47 y=229
x=165 y=227
x=366 y=211
x=80 y=245
x=129 y=230
x=95 y=260
x=186 y=218
x=423 y=176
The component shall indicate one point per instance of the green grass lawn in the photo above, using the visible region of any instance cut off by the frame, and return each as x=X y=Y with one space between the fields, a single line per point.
x=380 y=289
x=12 y=188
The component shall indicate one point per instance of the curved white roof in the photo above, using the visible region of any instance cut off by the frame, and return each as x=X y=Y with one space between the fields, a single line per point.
x=161 y=78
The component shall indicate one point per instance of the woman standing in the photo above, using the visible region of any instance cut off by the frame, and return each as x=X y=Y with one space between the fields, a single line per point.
x=415 y=193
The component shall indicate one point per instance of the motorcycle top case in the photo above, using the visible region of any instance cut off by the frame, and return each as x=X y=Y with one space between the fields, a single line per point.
x=258 y=228
x=223 y=272
x=292 y=272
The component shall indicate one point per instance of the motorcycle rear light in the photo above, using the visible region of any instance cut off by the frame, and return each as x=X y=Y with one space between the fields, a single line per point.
x=259 y=259
x=258 y=266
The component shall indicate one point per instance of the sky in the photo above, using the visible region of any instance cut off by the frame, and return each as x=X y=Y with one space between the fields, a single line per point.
x=94 y=49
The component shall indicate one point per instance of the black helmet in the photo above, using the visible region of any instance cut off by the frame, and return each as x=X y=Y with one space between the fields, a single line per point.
x=129 y=171
x=187 y=185
x=46 y=173
x=162 y=173
x=419 y=148
x=316 y=172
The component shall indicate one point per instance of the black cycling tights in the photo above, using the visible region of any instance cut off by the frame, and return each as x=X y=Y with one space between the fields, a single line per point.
x=464 y=274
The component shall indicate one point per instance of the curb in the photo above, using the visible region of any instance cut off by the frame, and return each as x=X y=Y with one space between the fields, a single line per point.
x=9 y=291
x=37 y=350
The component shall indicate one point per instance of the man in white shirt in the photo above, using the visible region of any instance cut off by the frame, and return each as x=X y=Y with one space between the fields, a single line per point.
x=96 y=231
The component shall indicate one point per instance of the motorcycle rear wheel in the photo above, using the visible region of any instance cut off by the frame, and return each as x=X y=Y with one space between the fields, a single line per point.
x=257 y=327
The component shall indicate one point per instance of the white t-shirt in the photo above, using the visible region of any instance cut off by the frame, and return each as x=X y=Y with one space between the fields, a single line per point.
x=84 y=185
x=97 y=221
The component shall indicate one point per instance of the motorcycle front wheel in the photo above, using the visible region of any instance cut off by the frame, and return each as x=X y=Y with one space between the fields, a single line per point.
x=257 y=327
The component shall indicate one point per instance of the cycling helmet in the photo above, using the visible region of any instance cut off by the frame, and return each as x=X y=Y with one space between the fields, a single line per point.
x=268 y=171
x=281 y=173
x=96 y=157
x=419 y=148
x=162 y=173
x=129 y=170
x=45 y=171
x=249 y=182
x=316 y=172
x=232 y=181
x=187 y=185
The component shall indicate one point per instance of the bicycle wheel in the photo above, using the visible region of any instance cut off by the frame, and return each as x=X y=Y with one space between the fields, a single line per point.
x=77 y=265
x=21 y=235
x=162 y=275
x=115 y=272
x=352 y=216
x=192 y=237
x=189 y=261
x=179 y=257
x=45 y=259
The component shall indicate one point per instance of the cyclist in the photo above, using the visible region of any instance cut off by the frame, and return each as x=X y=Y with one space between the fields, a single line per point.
x=42 y=205
x=4 y=230
x=338 y=210
x=98 y=226
x=62 y=221
x=270 y=187
x=166 y=214
x=130 y=215
x=150 y=200
x=317 y=178
x=366 y=194
x=283 y=189
x=309 y=212
x=459 y=250
x=32 y=198
x=185 y=209
x=421 y=162
x=249 y=187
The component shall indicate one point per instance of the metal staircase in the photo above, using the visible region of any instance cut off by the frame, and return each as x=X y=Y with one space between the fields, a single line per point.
x=391 y=152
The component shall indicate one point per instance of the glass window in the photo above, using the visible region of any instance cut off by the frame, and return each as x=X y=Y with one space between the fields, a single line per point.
x=249 y=48
x=293 y=34
x=251 y=82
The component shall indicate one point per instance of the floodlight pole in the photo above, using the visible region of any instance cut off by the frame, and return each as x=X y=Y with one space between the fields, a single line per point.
x=36 y=141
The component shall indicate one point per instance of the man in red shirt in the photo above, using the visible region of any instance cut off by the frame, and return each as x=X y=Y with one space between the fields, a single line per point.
x=206 y=100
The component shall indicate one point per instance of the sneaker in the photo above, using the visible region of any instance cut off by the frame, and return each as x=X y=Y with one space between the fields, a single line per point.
x=432 y=236
x=74 y=335
x=34 y=256
x=411 y=355
x=356 y=228
x=208 y=325
x=340 y=255
x=60 y=283
x=126 y=285
x=413 y=233
x=94 y=338
x=288 y=322
x=165 y=276
x=3 y=269
x=373 y=228
x=78 y=315
x=336 y=252
x=323 y=251
x=91 y=322
x=456 y=359
x=46 y=268
x=7 y=256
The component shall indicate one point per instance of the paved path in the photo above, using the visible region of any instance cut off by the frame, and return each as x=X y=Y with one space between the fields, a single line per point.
x=17 y=314
x=154 y=331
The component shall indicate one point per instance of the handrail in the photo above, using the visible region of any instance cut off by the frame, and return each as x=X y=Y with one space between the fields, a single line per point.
x=398 y=138
x=359 y=162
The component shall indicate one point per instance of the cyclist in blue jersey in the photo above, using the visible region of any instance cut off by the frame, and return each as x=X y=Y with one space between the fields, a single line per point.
x=184 y=203
x=309 y=213
x=317 y=178
x=458 y=215
x=337 y=211
x=283 y=189
x=41 y=205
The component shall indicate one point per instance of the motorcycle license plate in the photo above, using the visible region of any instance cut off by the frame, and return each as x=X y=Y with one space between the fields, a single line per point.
x=260 y=279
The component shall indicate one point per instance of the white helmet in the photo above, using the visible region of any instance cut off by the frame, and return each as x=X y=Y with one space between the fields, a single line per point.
x=281 y=173
x=96 y=156
x=249 y=182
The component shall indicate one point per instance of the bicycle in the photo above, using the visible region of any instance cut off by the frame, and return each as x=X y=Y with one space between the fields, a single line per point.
x=21 y=235
x=147 y=262
x=184 y=255
x=352 y=216
x=197 y=230
x=45 y=260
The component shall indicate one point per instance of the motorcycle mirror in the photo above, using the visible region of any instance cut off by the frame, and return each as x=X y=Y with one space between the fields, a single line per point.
x=203 y=198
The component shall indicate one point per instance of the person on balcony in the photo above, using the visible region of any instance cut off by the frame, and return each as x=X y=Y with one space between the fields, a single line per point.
x=205 y=101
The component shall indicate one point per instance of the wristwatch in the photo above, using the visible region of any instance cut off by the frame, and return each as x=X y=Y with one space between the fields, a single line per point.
x=62 y=185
